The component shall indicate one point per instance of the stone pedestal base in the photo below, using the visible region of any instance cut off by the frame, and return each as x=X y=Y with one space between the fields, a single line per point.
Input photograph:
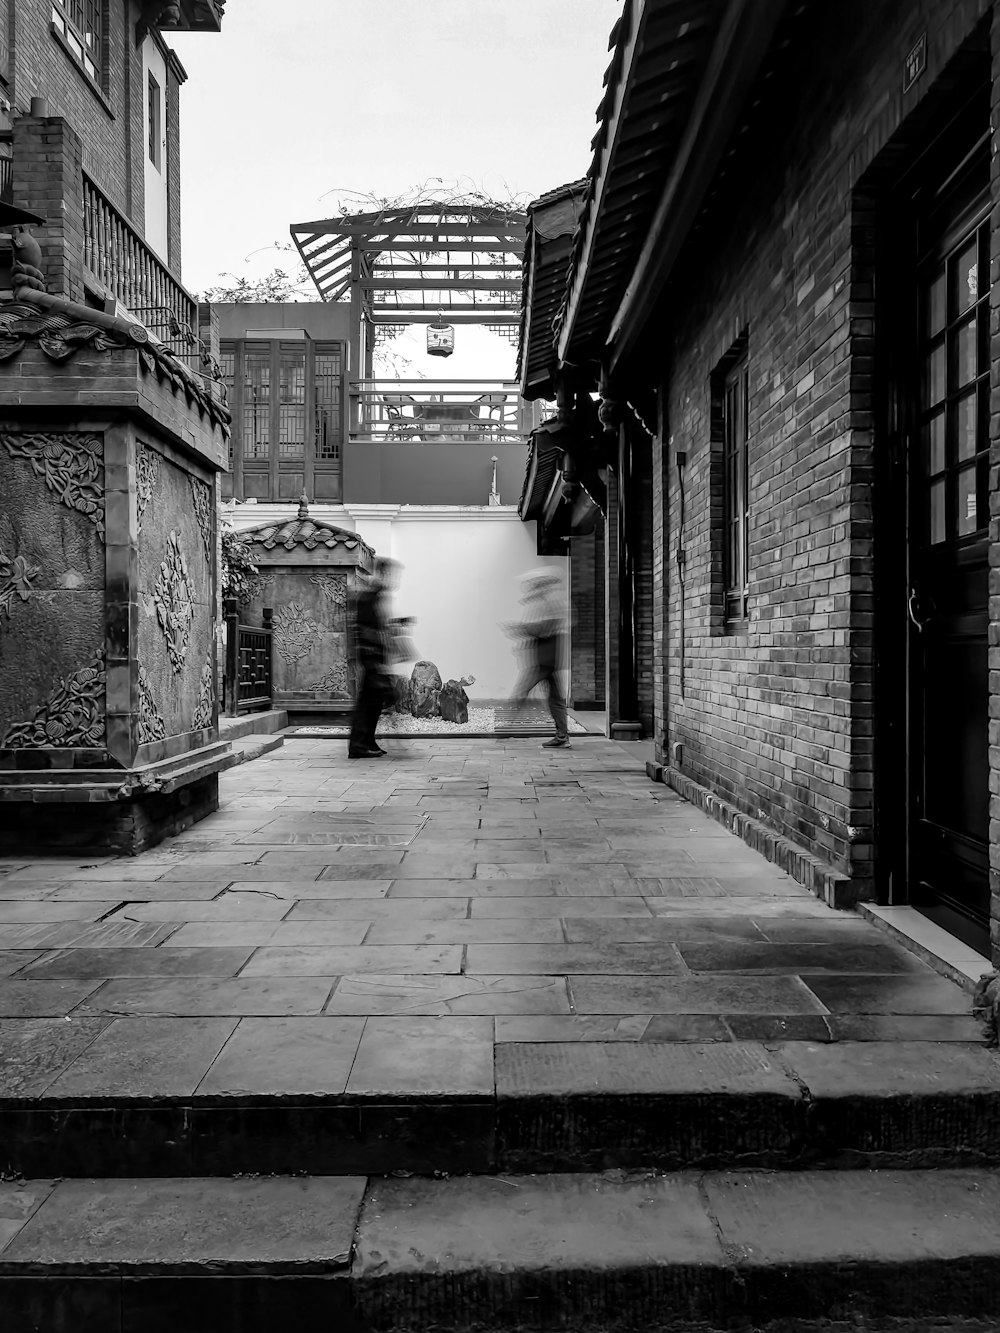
x=93 y=814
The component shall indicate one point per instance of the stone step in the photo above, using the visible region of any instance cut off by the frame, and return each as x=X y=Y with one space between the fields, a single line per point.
x=253 y=745
x=629 y=1250
x=266 y=723
x=542 y=1107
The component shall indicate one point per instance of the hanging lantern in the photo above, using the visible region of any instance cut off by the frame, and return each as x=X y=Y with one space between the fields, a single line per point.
x=440 y=338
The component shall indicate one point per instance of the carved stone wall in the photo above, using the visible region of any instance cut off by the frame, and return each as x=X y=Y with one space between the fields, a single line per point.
x=175 y=607
x=52 y=576
x=310 y=659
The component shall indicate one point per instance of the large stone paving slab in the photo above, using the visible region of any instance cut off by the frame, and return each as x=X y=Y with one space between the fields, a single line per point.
x=189 y=1226
x=145 y=1057
x=285 y=1057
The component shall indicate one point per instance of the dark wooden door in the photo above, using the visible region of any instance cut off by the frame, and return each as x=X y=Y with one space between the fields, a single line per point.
x=947 y=597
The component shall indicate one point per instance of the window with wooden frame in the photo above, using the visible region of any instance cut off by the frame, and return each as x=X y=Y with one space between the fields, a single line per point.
x=81 y=25
x=155 y=126
x=287 y=401
x=731 y=488
x=734 y=491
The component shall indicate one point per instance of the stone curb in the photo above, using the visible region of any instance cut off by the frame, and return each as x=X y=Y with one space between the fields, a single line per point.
x=629 y=1250
x=558 y=1107
x=835 y=889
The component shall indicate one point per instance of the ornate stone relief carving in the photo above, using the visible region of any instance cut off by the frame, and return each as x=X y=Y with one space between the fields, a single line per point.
x=72 y=715
x=260 y=586
x=151 y=725
x=71 y=464
x=201 y=498
x=206 y=697
x=15 y=581
x=333 y=588
x=294 y=632
x=335 y=680
x=147 y=469
x=173 y=597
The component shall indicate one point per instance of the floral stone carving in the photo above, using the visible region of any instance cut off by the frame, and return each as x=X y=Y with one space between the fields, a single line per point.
x=147 y=469
x=71 y=464
x=333 y=588
x=15 y=581
x=335 y=681
x=201 y=499
x=173 y=598
x=72 y=715
x=151 y=725
x=294 y=632
x=206 y=697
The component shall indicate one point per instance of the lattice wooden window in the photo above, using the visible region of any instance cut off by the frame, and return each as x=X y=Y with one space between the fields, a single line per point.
x=257 y=400
x=291 y=400
x=329 y=368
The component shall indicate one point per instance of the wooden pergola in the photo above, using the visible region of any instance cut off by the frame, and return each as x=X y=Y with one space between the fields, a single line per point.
x=407 y=265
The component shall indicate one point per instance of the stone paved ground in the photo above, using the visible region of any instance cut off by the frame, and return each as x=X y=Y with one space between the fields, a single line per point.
x=378 y=926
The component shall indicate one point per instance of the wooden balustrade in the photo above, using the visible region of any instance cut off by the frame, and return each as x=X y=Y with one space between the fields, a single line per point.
x=124 y=265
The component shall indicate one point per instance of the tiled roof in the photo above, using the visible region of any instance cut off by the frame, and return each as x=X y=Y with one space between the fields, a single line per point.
x=552 y=221
x=659 y=52
x=304 y=532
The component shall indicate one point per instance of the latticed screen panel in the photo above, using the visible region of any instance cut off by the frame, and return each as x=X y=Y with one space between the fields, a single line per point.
x=328 y=372
x=257 y=400
x=227 y=369
x=291 y=400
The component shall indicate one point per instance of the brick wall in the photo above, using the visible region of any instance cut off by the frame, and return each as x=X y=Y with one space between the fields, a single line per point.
x=994 y=574
x=108 y=119
x=175 y=76
x=779 y=719
x=48 y=157
x=586 y=682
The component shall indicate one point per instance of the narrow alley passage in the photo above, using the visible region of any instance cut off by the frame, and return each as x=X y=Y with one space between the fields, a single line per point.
x=312 y=936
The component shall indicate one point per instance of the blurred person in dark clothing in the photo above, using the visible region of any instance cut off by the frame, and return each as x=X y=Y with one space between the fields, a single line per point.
x=541 y=635
x=373 y=637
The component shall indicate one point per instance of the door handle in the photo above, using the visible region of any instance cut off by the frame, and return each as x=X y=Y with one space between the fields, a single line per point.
x=913 y=610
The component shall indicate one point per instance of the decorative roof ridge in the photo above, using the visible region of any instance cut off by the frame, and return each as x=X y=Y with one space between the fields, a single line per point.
x=61 y=327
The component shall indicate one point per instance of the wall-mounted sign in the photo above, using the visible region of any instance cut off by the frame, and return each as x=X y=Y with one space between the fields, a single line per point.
x=915 y=63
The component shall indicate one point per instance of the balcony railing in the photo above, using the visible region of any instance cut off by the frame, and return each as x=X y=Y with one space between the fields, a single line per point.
x=124 y=265
x=458 y=411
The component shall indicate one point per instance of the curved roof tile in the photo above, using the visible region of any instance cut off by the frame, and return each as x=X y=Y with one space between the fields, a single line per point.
x=304 y=532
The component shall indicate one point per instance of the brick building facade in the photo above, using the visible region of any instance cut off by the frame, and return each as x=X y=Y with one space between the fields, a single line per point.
x=793 y=333
x=89 y=117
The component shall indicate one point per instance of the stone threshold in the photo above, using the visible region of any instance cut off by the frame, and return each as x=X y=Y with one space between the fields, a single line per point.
x=629 y=1250
x=934 y=946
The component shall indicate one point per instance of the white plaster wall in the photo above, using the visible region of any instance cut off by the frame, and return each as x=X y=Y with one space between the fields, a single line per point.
x=460 y=578
x=155 y=229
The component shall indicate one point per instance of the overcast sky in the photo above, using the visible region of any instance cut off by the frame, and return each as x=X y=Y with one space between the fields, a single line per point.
x=297 y=102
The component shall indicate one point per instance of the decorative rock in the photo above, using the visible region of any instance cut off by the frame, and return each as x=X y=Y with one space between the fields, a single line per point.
x=453 y=702
x=425 y=685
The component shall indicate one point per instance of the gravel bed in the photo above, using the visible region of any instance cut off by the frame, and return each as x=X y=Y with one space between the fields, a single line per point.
x=481 y=719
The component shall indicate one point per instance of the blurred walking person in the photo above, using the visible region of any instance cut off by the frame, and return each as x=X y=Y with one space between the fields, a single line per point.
x=541 y=635
x=372 y=636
